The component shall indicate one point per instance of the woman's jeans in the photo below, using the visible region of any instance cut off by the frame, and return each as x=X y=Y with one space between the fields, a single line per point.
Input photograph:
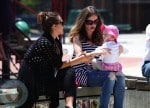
x=109 y=85
x=146 y=69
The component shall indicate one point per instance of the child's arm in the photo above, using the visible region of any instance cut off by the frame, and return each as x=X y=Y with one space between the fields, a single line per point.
x=100 y=51
x=122 y=50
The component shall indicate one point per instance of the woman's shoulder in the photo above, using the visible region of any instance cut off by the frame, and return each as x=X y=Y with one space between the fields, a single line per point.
x=43 y=40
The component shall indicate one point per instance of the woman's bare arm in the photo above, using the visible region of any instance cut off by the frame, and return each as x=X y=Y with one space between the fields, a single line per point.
x=83 y=58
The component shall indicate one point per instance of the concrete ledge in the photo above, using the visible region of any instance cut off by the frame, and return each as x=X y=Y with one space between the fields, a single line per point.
x=138 y=83
x=131 y=83
x=135 y=87
x=142 y=85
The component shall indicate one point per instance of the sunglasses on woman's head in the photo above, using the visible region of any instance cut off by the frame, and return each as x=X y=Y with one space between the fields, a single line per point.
x=90 y=22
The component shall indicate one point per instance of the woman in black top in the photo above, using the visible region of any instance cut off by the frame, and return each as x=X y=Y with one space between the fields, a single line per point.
x=43 y=70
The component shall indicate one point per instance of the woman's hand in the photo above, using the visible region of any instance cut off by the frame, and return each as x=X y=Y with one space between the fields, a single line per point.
x=87 y=57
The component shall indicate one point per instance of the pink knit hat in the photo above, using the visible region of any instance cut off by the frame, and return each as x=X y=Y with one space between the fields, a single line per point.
x=111 y=30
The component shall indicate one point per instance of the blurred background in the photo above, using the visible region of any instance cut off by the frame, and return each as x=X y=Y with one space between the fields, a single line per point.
x=127 y=14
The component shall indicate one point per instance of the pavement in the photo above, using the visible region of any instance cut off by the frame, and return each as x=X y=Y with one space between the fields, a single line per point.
x=132 y=61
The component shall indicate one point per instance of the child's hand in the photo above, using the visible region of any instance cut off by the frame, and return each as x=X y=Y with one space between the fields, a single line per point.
x=122 y=50
x=105 y=51
x=101 y=51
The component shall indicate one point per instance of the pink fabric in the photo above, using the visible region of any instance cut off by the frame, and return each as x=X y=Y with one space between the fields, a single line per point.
x=111 y=30
x=114 y=67
x=102 y=27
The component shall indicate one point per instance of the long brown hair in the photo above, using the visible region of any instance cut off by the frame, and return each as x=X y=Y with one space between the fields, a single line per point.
x=79 y=27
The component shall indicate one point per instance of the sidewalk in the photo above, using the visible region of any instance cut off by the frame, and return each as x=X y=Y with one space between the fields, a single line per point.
x=132 y=61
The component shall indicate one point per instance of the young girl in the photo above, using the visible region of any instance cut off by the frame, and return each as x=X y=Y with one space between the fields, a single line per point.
x=109 y=62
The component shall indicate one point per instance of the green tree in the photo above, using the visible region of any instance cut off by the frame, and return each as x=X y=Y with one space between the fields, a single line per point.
x=32 y=3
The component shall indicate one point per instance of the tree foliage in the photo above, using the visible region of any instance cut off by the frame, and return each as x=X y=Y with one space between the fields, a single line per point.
x=31 y=3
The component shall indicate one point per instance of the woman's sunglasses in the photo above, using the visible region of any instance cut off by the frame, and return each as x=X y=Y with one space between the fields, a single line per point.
x=90 y=22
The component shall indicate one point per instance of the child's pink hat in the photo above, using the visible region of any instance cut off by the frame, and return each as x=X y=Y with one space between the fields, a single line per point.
x=111 y=30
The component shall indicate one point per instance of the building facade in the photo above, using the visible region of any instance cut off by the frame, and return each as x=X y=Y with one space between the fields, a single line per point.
x=134 y=12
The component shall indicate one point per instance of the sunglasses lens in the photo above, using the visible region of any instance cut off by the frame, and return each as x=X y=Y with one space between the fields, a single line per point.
x=90 y=22
x=96 y=21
